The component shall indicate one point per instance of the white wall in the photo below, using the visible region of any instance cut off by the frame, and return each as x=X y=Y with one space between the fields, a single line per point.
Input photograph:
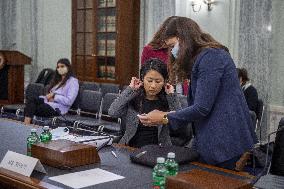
x=221 y=22
x=54 y=31
x=43 y=32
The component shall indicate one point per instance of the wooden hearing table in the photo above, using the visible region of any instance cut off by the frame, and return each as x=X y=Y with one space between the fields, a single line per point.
x=13 y=137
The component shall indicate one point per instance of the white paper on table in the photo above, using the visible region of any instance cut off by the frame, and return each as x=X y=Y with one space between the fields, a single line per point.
x=96 y=141
x=86 y=178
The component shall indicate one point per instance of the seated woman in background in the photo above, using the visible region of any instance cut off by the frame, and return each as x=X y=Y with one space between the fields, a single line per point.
x=3 y=77
x=62 y=93
x=141 y=97
x=248 y=89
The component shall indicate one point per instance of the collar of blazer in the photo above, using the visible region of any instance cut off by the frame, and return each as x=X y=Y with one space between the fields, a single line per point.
x=245 y=86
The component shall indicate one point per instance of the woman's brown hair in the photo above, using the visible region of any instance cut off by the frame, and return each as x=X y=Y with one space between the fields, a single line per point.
x=158 y=42
x=192 y=40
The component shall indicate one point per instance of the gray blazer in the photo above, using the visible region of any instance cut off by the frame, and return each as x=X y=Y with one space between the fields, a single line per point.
x=121 y=107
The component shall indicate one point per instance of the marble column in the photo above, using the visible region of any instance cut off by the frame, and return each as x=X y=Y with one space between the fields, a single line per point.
x=255 y=46
x=276 y=97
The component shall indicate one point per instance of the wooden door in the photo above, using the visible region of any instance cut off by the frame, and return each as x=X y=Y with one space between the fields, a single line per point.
x=83 y=39
x=105 y=40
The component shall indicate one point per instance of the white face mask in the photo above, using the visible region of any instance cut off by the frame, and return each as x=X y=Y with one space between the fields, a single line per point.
x=62 y=70
x=174 y=50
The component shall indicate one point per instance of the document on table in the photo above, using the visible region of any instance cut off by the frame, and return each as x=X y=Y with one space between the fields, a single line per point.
x=86 y=178
x=97 y=141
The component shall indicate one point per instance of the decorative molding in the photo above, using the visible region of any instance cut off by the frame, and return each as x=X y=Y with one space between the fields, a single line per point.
x=255 y=53
x=275 y=108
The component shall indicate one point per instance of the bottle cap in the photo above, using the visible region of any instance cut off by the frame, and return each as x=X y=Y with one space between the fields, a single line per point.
x=171 y=155
x=160 y=160
x=33 y=130
x=46 y=128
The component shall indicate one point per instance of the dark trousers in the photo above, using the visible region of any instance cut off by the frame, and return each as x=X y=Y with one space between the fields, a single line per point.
x=37 y=107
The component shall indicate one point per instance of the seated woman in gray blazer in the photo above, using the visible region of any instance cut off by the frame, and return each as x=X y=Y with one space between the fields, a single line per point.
x=141 y=97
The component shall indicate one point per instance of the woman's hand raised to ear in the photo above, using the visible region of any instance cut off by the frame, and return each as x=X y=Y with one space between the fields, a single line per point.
x=135 y=83
x=169 y=89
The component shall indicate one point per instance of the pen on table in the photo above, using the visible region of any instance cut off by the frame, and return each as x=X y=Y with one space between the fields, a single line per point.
x=94 y=139
x=114 y=154
x=140 y=154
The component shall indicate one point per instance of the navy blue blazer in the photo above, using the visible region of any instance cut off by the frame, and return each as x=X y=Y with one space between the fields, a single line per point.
x=217 y=108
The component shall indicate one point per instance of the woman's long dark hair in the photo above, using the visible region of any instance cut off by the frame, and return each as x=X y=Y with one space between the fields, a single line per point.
x=158 y=42
x=192 y=40
x=58 y=78
x=160 y=67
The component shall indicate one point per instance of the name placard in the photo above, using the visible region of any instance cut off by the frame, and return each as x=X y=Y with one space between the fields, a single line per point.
x=21 y=164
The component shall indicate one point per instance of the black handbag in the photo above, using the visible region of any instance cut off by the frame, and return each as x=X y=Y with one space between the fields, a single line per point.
x=147 y=155
x=277 y=162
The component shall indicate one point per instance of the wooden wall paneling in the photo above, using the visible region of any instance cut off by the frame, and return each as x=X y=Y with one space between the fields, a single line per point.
x=80 y=66
x=128 y=40
x=90 y=68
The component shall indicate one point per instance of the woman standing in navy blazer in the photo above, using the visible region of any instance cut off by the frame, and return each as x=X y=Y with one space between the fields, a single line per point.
x=217 y=107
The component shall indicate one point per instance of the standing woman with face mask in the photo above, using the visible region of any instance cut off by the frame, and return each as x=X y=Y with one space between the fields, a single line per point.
x=157 y=48
x=62 y=93
x=217 y=107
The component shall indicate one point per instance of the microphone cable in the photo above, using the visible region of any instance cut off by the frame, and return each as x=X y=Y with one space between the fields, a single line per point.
x=266 y=167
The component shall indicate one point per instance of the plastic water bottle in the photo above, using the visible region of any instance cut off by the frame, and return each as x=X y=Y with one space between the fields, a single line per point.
x=159 y=174
x=32 y=139
x=171 y=164
x=45 y=136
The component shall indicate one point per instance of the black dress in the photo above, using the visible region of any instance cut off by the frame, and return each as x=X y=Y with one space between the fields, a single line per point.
x=147 y=135
x=4 y=82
